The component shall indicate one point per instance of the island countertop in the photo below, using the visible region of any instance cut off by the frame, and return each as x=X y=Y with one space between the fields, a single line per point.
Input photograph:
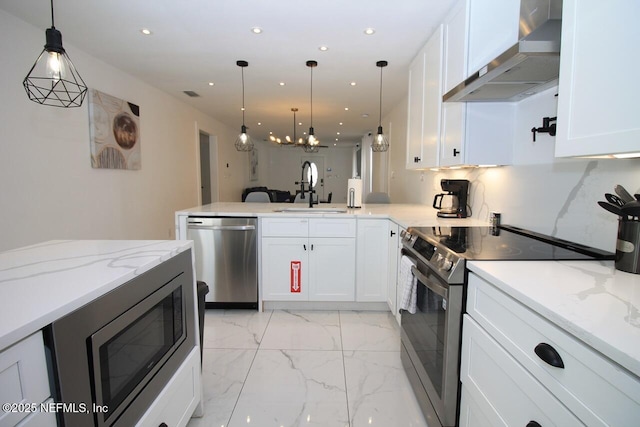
x=46 y=281
x=405 y=215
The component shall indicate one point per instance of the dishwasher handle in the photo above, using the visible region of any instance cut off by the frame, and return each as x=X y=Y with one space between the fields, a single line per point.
x=195 y=226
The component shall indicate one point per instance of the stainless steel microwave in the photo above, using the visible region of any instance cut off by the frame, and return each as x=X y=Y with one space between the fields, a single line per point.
x=113 y=356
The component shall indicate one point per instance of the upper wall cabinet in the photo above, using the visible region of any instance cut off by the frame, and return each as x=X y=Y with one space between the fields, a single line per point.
x=453 y=134
x=471 y=134
x=425 y=92
x=598 y=88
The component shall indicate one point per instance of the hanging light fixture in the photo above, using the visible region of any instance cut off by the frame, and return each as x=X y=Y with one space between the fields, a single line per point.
x=311 y=145
x=243 y=141
x=53 y=80
x=380 y=141
x=294 y=140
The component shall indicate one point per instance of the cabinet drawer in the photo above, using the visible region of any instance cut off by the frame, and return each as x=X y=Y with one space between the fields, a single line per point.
x=593 y=387
x=332 y=227
x=285 y=227
x=176 y=403
x=23 y=376
x=502 y=390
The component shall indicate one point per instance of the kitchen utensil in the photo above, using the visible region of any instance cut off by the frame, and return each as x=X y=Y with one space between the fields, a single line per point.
x=612 y=198
x=631 y=208
x=623 y=193
x=612 y=208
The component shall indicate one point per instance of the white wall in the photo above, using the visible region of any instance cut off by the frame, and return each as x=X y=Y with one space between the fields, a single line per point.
x=48 y=189
x=538 y=192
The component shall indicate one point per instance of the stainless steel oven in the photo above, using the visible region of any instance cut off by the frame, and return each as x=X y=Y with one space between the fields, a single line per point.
x=430 y=349
x=431 y=336
x=114 y=355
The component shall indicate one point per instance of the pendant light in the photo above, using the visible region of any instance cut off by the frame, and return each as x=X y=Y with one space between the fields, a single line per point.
x=243 y=141
x=380 y=141
x=312 y=142
x=53 y=80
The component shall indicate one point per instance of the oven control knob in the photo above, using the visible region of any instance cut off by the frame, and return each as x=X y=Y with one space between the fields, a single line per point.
x=446 y=264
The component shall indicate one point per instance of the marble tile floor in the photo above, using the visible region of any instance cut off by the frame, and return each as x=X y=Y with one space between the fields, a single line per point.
x=304 y=368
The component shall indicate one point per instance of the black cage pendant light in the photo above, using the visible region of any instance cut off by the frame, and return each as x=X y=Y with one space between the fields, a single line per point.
x=312 y=142
x=243 y=141
x=53 y=80
x=380 y=141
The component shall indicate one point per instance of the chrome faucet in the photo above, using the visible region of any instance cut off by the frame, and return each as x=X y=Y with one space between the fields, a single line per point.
x=307 y=163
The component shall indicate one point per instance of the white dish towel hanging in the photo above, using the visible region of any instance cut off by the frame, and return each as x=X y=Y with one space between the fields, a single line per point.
x=409 y=284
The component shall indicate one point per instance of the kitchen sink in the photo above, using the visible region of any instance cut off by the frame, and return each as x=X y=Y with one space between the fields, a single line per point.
x=312 y=210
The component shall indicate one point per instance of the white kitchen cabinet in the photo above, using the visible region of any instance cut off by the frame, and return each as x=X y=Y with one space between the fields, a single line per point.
x=595 y=390
x=372 y=261
x=177 y=401
x=478 y=133
x=313 y=261
x=493 y=28
x=24 y=380
x=597 y=90
x=424 y=110
x=506 y=394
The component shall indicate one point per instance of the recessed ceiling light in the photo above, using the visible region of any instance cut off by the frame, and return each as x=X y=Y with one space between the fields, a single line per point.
x=281 y=83
x=323 y=48
x=353 y=83
x=211 y=83
x=146 y=31
x=346 y=108
x=256 y=30
x=259 y=123
x=337 y=133
x=365 y=115
x=370 y=31
x=340 y=123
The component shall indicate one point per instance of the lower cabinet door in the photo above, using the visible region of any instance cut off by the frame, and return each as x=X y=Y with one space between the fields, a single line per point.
x=501 y=390
x=332 y=269
x=285 y=268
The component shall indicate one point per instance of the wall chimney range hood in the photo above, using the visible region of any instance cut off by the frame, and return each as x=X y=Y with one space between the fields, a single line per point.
x=530 y=66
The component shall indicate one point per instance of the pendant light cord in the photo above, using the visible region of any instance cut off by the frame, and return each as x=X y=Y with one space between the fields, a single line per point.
x=242 y=70
x=380 y=119
x=52 y=22
x=311 y=96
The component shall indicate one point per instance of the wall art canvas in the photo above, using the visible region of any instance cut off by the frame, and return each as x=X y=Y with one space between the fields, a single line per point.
x=253 y=165
x=114 y=131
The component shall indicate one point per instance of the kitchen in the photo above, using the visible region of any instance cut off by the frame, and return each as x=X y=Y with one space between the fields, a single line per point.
x=50 y=192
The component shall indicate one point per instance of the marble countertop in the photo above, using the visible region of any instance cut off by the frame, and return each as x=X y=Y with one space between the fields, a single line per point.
x=43 y=282
x=405 y=215
x=591 y=300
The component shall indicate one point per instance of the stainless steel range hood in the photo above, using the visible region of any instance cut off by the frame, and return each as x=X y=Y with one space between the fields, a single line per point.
x=528 y=67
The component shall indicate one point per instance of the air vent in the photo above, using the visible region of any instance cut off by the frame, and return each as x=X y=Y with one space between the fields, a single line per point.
x=191 y=93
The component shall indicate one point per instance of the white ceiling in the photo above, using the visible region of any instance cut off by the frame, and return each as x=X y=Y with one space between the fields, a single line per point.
x=195 y=42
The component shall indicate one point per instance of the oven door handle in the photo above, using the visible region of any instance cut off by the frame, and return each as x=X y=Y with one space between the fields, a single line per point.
x=438 y=289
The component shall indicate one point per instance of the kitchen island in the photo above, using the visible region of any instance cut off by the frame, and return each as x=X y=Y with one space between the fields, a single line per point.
x=44 y=283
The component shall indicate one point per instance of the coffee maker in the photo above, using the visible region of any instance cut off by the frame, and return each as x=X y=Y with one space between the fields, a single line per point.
x=457 y=189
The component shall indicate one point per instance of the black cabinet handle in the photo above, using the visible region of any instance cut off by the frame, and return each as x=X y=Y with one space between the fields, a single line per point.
x=312 y=247
x=393 y=233
x=455 y=152
x=549 y=354
x=533 y=424
x=163 y=425
x=305 y=247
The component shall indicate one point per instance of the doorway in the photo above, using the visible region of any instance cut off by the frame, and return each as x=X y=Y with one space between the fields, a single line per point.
x=208 y=169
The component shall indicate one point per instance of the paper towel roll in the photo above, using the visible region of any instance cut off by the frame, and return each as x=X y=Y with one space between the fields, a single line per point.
x=354 y=193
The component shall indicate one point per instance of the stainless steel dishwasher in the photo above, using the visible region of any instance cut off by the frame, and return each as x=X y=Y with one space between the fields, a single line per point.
x=226 y=260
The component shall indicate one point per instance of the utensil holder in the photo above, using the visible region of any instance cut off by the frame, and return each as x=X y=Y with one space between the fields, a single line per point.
x=628 y=246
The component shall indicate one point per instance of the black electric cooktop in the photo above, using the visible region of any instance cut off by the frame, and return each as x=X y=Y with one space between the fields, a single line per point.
x=502 y=243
